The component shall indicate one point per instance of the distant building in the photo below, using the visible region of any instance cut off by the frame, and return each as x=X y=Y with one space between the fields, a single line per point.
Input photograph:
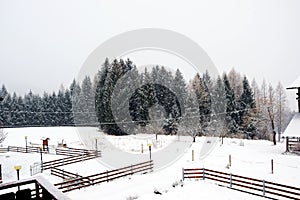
x=292 y=132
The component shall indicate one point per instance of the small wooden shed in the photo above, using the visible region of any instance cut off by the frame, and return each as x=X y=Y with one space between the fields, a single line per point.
x=292 y=132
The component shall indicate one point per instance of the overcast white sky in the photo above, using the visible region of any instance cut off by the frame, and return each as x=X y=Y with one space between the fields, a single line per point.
x=44 y=43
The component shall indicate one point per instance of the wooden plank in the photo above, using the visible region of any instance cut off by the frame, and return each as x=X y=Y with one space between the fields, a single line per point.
x=195 y=169
x=281 y=185
x=193 y=177
x=282 y=190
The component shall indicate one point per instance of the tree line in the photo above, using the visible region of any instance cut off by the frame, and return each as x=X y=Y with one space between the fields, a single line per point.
x=123 y=100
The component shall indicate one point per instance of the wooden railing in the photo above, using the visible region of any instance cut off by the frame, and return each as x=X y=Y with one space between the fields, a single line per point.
x=38 y=188
x=245 y=184
x=82 y=182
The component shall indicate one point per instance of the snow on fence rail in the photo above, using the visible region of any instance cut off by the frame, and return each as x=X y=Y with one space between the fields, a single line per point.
x=244 y=184
x=82 y=182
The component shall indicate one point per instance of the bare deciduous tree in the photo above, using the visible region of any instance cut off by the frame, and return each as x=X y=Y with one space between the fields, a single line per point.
x=3 y=135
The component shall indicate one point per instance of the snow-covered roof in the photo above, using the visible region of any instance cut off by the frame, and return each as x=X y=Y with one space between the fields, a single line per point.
x=293 y=129
x=295 y=84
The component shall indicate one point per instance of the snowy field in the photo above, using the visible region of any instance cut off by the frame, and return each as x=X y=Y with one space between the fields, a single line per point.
x=251 y=158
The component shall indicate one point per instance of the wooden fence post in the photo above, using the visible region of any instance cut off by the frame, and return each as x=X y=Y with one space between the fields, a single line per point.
x=0 y=174
x=37 y=191
x=183 y=174
x=264 y=187
x=203 y=174
x=106 y=175
x=272 y=169
x=229 y=160
x=142 y=150
x=192 y=155
x=230 y=180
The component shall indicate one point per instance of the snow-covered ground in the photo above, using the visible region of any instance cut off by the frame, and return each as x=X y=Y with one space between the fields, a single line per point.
x=250 y=158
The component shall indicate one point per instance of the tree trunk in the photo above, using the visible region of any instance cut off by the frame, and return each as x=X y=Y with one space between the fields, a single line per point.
x=274 y=137
x=273 y=127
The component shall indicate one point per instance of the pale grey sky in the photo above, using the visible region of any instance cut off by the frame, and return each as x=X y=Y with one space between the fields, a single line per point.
x=44 y=43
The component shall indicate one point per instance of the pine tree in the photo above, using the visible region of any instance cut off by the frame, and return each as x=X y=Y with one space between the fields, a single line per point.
x=4 y=114
x=105 y=88
x=231 y=108
x=87 y=100
x=180 y=89
x=247 y=101
x=204 y=102
x=218 y=108
x=248 y=121
x=68 y=119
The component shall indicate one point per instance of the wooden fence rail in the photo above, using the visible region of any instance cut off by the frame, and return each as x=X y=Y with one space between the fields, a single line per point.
x=245 y=184
x=82 y=182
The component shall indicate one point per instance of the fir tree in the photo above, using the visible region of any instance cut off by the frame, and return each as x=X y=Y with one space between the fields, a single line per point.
x=204 y=102
x=231 y=111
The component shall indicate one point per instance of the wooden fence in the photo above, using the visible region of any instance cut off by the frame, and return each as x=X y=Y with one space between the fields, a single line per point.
x=67 y=161
x=75 y=152
x=82 y=182
x=293 y=144
x=29 y=149
x=58 y=151
x=65 y=175
x=244 y=184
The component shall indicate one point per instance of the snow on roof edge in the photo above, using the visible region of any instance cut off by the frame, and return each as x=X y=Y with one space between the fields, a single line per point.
x=295 y=84
x=293 y=129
